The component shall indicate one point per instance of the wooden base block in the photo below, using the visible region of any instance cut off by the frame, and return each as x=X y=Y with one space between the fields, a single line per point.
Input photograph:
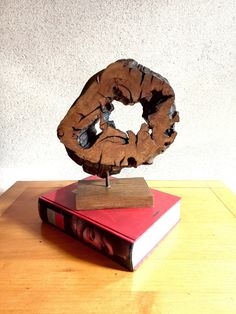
x=123 y=193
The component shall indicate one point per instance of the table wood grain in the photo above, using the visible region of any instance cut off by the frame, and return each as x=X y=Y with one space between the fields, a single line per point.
x=193 y=270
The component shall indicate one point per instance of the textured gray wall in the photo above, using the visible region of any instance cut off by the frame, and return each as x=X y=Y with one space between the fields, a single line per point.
x=49 y=49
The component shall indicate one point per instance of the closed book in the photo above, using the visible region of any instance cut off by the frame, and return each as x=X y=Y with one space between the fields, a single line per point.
x=127 y=235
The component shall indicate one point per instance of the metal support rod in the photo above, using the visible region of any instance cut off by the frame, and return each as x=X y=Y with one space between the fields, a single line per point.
x=107 y=180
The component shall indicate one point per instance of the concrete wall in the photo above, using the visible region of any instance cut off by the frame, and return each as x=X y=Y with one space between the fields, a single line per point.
x=49 y=49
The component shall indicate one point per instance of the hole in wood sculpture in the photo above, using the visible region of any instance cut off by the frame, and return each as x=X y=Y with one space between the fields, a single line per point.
x=97 y=128
x=153 y=104
x=132 y=162
x=122 y=112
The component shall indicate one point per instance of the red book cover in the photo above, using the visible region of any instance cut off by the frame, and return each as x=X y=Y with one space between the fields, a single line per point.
x=124 y=234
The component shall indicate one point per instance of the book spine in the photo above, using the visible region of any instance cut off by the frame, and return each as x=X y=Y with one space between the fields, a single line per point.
x=106 y=242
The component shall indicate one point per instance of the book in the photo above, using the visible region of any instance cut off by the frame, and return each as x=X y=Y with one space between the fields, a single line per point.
x=127 y=235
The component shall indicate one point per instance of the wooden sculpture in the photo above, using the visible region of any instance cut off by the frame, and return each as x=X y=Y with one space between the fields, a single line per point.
x=111 y=150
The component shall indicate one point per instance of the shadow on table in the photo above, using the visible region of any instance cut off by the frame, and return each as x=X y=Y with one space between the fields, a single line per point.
x=75 y=248
x=22 y=218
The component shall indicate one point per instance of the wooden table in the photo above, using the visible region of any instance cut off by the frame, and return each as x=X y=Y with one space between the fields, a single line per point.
x=193 y=270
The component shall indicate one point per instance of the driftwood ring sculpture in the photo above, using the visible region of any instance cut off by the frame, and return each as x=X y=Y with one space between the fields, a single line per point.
x=111 y=150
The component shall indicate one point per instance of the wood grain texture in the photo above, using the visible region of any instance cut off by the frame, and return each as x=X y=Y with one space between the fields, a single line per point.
x=125 y=192
x=193 y=270
x=112 y=149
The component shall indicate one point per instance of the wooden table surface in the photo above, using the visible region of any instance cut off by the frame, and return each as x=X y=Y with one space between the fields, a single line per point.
x=193 y=270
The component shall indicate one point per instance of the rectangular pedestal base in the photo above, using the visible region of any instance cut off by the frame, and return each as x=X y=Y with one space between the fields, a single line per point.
x=123 y=193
